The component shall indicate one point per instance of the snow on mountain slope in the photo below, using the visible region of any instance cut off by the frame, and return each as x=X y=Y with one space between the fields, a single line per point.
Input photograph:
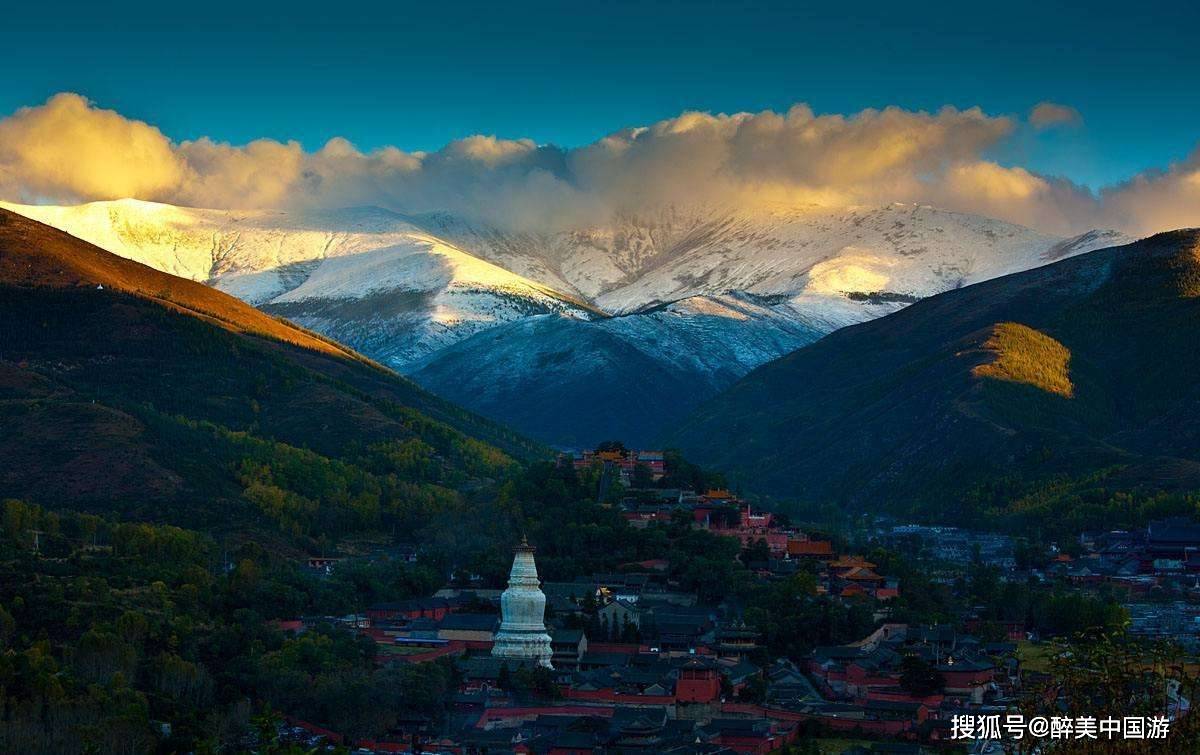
x=527 y=253
x=906 y=250
x=402 y=302
x=594 y=260
x=576 y=382
x=252 y=254
x=818 y=255
x=363 y=275
x=719 y=337
x=714 y=339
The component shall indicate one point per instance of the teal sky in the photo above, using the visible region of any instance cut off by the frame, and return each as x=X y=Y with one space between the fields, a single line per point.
x=417 y=76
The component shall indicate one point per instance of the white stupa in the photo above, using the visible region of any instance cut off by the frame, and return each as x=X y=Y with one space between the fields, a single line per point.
x=522 y=634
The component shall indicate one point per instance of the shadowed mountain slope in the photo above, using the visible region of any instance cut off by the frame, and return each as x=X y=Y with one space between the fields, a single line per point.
x=1084 y=367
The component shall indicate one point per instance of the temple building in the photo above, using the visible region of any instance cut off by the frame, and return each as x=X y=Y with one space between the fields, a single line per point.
x=522 y=634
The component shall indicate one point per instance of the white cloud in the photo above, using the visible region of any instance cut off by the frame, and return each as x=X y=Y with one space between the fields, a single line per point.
x=1158 y=200
x=70 y=150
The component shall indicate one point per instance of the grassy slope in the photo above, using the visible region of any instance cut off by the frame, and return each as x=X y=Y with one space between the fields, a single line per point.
x=1023 y=355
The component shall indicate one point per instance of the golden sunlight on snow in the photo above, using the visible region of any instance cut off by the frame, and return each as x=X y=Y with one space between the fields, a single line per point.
x=852 y=270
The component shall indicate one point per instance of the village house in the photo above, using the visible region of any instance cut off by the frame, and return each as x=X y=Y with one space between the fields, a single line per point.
x=819 y=550
x=569 y=647
x=322 y=565
x=735 y=640
x=619 y=613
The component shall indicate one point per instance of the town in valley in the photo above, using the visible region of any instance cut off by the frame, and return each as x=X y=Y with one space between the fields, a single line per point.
x=638 y=659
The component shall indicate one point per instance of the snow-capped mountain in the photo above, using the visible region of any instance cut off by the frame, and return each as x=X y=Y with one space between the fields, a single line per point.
x=634 y=321
x=364 y=276
x=669 y=254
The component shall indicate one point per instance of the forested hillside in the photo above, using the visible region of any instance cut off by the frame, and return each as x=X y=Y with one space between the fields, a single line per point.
x=125 y=390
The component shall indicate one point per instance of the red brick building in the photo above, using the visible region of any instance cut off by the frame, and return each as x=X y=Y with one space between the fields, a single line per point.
x=699 y=682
